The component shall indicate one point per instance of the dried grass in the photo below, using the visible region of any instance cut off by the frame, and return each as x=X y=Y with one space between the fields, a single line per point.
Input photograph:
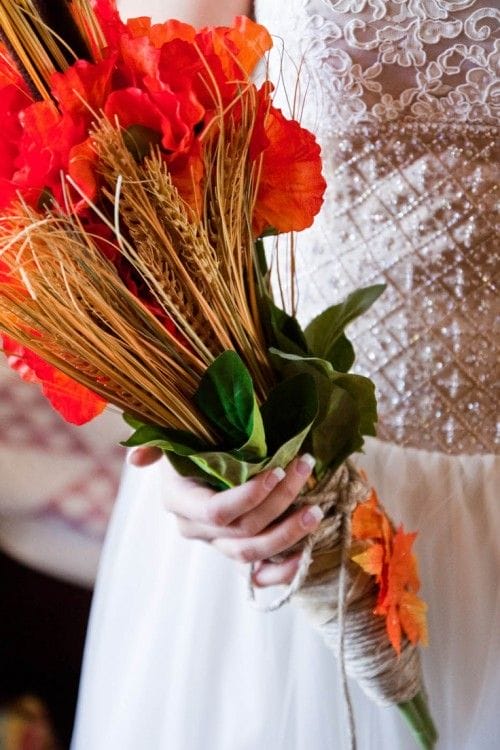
x=37 y=49
x=68 y=302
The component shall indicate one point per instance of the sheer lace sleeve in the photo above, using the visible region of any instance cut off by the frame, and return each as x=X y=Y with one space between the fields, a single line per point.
x=377 y=60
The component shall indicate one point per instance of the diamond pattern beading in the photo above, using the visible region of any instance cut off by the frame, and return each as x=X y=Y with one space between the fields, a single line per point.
x=417 y=207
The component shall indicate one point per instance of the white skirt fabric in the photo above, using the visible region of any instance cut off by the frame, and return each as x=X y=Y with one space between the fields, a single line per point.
x=177 y=659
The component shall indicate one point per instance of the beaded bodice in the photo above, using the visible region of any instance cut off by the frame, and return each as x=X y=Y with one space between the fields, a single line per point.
x=404 y=96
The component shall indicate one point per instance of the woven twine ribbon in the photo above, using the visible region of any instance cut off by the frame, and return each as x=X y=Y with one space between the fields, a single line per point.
x=339 y=599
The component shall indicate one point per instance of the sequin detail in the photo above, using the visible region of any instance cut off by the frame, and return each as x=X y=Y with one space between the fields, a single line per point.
x=418 y=208
x=413 y=200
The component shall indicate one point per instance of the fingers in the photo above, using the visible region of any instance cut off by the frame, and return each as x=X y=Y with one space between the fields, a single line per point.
x=228 y=506
x=243 y=511
x=275 y=574
x=144 y=456
x=214 y=511
x=278 y=501
x=273 y=540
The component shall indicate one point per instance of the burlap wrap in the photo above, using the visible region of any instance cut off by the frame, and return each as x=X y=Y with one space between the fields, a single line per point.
x=339 y=597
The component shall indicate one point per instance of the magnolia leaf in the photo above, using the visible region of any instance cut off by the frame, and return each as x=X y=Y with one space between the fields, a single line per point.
x=362 y=391
x=288 y=450
x=336 y=435
x=222 y=469
x=324 y=331
x=132 y=421
x=178 y=441
x=225 y=395
x=256 y=446
x=184 y=466
x=292 y=364
x=226 y=470
x=283 y=330
x=319 y=369
x=291 y=406
x=288 y=415
x=341 y=354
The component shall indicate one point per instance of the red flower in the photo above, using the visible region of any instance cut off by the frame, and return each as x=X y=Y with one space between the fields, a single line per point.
x=291 y=186
x=161 y=33
x=133 y=106
x=83 y=88
x=239 y=47
x=183 y=70
x=14 y=97
x=109 y=20
x=73 y=401
x=82 y=168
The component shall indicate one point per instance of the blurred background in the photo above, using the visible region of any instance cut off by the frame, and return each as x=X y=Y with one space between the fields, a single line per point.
x=58 y=484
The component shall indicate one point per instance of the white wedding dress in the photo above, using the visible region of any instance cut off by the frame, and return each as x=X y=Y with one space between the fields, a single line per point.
x=404 y=96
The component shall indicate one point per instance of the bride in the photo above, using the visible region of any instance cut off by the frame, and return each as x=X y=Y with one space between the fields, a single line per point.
x=404 y=98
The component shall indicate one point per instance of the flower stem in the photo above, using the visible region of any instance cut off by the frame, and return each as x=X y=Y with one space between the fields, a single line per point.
x=416 y=713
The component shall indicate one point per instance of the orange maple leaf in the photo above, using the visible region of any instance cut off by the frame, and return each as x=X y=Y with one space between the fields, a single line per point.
x=371 y=560
x=388 y=556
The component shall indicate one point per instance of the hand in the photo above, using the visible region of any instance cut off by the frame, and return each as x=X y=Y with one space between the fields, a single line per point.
x=242 y=522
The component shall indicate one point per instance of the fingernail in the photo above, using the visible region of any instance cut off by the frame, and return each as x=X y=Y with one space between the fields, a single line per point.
x=274 y=477
x=311 y=516
x=306 y=464
x=131 y=457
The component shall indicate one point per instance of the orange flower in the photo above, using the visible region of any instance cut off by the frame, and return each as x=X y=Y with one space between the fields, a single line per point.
x=160 y=33
x=291 y=185
x=76 y=403
x=388 y=556
x=239 y=47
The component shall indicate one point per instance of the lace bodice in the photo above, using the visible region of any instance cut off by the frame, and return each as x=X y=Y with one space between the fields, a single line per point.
x=404 y=96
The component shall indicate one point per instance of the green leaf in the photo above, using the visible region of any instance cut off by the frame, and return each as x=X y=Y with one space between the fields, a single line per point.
x=362 y=390
x=341 y=354
x=362 y=405
x=323 y=333
x=291 y=409
x=291 y=364
x=179 y=441
x=336 y=435
x=228 y=470
x=347 y=407
x=132 y=421
x=225 y=395
x=261 y=260
x=288 y=450
x=282 y=330
x=291 y=405
x=256 y=446
x=319 y=369
x=225 y=468
x=186 y=468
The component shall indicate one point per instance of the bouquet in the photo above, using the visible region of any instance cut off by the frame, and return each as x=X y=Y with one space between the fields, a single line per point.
x=141 y=168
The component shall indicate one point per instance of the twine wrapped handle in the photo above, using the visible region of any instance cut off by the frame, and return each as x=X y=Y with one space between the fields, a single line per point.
x=339 y=598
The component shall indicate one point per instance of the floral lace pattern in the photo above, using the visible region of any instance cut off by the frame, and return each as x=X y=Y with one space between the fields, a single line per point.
x=376 y=60
x=404 y=96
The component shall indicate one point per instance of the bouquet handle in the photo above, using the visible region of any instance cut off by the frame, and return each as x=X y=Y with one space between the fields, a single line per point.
x=339 y=598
